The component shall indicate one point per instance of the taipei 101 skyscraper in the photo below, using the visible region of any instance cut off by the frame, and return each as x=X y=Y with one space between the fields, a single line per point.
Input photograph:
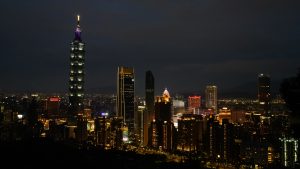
x=76 y=80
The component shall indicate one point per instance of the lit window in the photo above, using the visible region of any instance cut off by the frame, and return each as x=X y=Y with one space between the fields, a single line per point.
x=80 y=56
x=79 y=87
x=79 y=79
x=80 y=71
x=79 y=63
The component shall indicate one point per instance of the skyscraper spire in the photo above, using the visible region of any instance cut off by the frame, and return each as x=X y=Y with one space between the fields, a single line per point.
x=78 y=20
x=78 y=30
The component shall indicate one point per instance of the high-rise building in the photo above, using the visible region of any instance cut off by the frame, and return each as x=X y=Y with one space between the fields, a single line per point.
x=211 y=97
x=264 y=95
x=149 y=113
x=289 y=152
x=190 y=133
x=194 y=104
x=52 y=106
x=162 y=128
x=76 y=81
x=163 y=107
x=125 y=97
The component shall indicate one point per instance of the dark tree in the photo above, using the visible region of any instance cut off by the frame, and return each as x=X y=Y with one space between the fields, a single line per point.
x=290 y=92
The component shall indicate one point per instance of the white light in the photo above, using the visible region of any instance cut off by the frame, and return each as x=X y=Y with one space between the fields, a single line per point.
x=176 y=124
x=20 y=116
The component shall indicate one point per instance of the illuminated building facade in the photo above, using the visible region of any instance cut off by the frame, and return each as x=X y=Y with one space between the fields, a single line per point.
x=220 y=140
x=264 y=89
x=149 y=113
x=224 y=113
x=190 y=130
x=211 y=97
x=194 y=103
x=289 y=152
x=101 y=131
x=162 y=128
x=76 y=80
x=178 y=107
x=125 y=97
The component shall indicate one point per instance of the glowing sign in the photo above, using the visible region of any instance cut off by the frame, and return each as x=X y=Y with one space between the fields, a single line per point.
x=54 y=99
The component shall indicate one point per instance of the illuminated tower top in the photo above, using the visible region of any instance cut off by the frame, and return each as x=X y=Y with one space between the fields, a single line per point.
x=78 y=30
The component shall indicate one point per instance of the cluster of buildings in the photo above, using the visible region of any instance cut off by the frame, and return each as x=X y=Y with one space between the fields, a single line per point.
x=233 y=131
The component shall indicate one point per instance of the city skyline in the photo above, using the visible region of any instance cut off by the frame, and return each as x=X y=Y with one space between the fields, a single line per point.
x=203 y=43
x=224 y=70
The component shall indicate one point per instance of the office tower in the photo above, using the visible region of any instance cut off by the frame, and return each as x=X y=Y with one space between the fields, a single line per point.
x=178 y=107
x=224 y=113
x=139 y=123
x=289 y=152
x=162 y=129
x=149 y=112
x=125 y=97
x=101 y=131
x=76 y=81
x=81 y=129
x=194 y=103
x=52 y=107
x=211 y=97
x=163 y=107
x=264 y=95
x=190 y=130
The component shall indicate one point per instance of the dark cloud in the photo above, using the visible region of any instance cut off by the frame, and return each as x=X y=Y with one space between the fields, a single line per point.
x=187 y=44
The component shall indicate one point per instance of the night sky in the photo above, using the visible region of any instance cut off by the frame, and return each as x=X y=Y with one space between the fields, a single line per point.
x=186 y=43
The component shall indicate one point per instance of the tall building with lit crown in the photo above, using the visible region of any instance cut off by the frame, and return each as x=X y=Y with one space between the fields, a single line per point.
x=125 y=97
x=161 y=133
x=211 y=97
x=264 y=91
x=76 y=80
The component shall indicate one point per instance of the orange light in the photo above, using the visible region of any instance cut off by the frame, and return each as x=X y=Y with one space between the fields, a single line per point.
x=54 y=99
